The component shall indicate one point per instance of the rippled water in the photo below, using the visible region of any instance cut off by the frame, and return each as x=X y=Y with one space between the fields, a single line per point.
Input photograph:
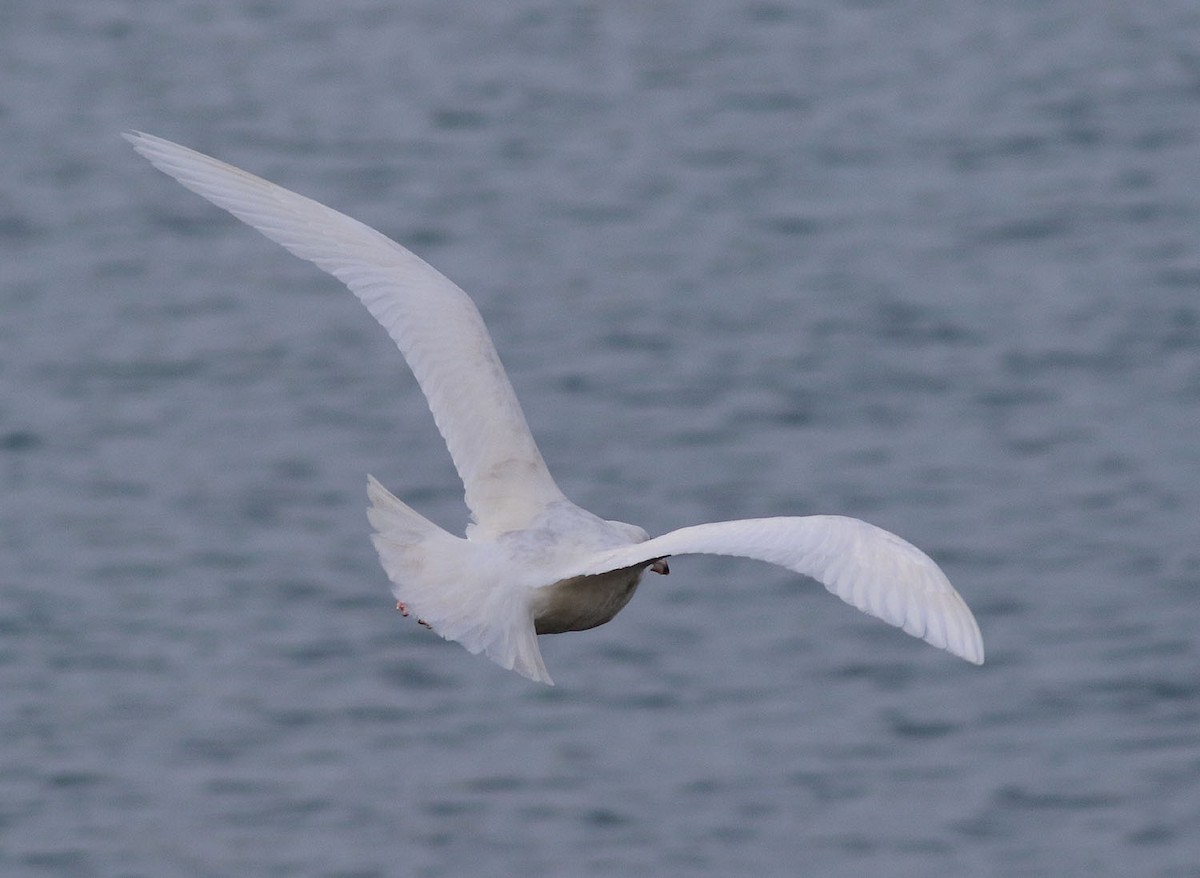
x=935 y=265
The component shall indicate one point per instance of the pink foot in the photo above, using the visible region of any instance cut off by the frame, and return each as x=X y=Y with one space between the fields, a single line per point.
x=403 y=608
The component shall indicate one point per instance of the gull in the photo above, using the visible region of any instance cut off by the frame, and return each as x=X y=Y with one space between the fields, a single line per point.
x=531 y=561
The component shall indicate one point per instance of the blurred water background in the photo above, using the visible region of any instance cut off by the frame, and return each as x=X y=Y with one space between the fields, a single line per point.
x=934 y=264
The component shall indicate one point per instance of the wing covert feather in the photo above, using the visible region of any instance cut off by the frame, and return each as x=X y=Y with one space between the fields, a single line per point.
x=864 y=565
x=433 y=322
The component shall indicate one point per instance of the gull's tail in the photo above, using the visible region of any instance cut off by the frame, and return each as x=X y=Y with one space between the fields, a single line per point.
x=456 y=586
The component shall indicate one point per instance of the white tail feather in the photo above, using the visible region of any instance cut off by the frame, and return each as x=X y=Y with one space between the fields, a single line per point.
x=456 y=586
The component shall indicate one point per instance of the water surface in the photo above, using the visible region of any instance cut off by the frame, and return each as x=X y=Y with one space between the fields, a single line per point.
x=930 y=264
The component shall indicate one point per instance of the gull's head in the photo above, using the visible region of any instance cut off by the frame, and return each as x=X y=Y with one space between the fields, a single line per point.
x=632 y=532
x=638 y=535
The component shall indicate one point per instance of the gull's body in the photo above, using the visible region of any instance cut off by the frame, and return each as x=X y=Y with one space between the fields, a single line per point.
x=532 y=562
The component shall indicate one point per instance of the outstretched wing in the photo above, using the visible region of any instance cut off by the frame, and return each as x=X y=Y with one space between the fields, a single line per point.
x=434 y=323
x=866 y=566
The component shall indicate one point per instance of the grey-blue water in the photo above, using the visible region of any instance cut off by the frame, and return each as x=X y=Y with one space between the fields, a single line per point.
x=932 y=264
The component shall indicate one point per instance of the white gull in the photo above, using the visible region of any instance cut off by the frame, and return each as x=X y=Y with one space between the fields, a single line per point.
x=532 y=562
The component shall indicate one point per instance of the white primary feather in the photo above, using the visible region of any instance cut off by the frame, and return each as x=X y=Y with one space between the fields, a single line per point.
x=533 y=558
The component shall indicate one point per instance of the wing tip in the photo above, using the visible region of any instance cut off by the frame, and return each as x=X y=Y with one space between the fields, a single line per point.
x=970 y=652
x=142 y=141
x=968 y=644
x=973 y=651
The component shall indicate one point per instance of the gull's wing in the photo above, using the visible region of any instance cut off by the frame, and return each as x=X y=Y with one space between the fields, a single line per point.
x=864 y=565
x=434 y=323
